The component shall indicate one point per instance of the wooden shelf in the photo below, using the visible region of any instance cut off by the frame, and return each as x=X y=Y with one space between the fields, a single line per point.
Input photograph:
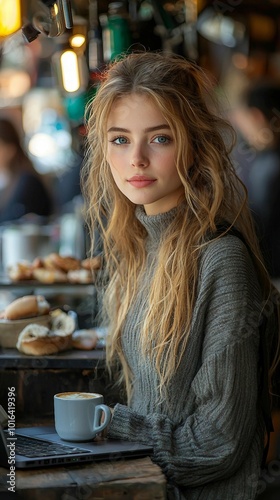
x=7 y=284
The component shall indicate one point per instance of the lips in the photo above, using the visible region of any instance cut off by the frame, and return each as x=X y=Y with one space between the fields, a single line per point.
x=140 y=181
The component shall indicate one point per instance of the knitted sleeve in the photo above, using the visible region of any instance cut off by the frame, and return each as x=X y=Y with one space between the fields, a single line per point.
x=212 y=441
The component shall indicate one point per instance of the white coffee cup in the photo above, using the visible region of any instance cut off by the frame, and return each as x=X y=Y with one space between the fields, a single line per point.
x=77 y=415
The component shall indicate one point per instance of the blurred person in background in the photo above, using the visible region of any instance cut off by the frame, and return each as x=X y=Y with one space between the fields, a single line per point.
x=257 y=161
x=22 y=190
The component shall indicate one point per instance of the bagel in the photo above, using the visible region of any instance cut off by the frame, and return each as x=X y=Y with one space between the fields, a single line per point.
x=27 y=307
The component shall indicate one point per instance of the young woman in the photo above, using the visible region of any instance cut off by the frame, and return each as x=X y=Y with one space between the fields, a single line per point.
x=22 y=191
x=183 y=298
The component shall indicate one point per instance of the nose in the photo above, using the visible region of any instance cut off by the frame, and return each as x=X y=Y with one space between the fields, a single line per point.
x=139 y=158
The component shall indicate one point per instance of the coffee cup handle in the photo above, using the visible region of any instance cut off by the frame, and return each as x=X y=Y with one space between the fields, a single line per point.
x=97 y=417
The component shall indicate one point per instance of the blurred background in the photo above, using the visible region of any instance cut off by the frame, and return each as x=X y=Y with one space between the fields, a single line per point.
x=51 y=57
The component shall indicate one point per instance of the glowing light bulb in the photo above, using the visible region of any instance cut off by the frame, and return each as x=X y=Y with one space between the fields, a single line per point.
x=70 y=71
x=10 y=17
x=77 y=41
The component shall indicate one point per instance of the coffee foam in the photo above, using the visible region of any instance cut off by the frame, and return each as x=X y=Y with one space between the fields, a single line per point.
x=77 y=395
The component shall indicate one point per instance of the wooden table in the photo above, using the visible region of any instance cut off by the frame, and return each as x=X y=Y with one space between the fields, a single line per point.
x=132 y=479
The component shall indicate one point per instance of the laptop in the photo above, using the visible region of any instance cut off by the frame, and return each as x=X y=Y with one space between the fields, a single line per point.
x=33 y=447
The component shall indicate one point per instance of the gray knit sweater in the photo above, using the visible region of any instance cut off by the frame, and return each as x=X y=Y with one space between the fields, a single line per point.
x=207 y=434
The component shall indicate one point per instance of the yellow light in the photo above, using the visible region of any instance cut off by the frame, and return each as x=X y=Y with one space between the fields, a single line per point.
x=70 y=71
x=77 y=41
x=10 y=17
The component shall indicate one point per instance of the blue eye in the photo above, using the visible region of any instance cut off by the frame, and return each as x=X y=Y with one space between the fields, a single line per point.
x=162 y=139
x=119 y=140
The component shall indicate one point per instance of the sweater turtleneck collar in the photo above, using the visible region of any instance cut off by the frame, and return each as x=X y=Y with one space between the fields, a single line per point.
x=155 y=224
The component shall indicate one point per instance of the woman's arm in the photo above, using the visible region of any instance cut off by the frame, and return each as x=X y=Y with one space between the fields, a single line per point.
x=212 y=442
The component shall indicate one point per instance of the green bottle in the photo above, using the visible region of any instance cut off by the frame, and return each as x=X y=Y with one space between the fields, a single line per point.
x=118 y=25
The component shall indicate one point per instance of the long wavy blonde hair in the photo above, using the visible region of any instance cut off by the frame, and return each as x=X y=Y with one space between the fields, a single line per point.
x=213 y=194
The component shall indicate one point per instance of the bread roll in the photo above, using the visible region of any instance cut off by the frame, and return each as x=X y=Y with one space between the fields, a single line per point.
x=91 y=263
x=81 y=276
x=49 y=276
x=85 y=339
x=20 y=271
x=37 y=340
x=27 y=307
x=60 y=262
x=62 y=322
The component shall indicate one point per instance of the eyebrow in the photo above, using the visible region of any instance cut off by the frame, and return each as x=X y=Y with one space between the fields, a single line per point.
x=149 y=129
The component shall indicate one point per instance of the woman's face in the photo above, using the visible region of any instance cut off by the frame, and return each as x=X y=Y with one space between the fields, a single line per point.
x=141 y=154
